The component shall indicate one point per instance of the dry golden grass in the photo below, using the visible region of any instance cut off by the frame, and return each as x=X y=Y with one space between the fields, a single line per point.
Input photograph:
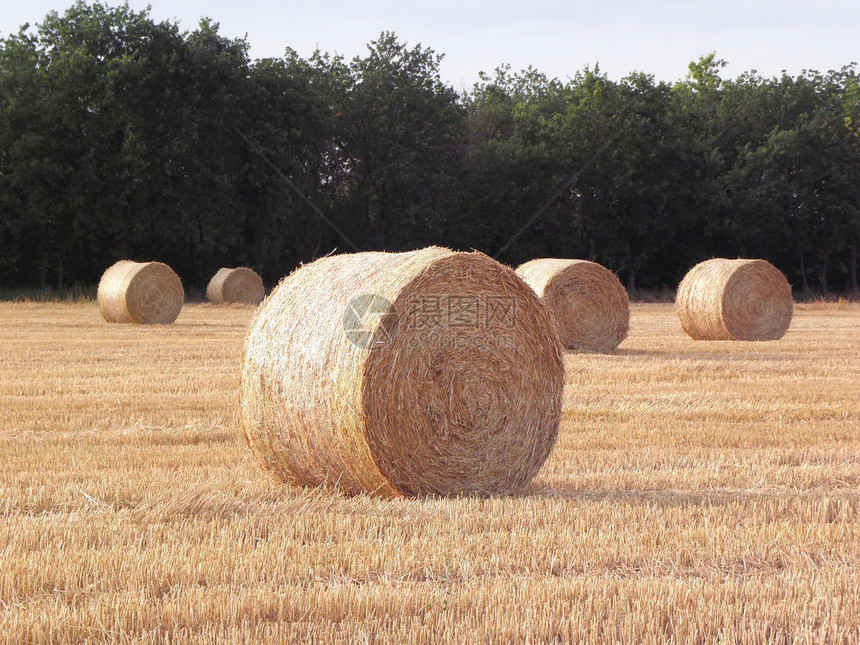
x=699 y=492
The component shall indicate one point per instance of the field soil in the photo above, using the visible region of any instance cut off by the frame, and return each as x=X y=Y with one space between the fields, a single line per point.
x=699 y=492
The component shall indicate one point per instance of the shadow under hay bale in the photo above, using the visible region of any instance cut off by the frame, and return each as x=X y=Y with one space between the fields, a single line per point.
x=427 y=372
x=741 y=299
x=590 y=305
x=140 y=292
x=239 y=285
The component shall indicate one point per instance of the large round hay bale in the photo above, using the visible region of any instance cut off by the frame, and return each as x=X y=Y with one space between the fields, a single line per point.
x=590 y=305
x=241 y=285
x=140 y=292
x=427 y=372
x=724 y=299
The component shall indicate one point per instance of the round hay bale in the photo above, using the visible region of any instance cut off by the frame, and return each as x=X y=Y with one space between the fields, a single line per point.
x=427 y=372
x=241 y=285
x=590 y=306
x=724 y=299
x=140 y=292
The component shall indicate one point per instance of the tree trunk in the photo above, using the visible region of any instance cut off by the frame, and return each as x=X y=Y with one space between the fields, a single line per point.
x=803 y=273
x=852 y=268
x=822 y=273
x=631 y=281
x=317 y=240
x=60 y=275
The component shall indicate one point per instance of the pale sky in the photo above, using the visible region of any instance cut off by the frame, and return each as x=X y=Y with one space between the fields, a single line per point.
x=659 y=37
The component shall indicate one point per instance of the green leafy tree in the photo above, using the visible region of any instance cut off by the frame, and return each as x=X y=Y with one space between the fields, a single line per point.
x=515 y=162
x=122 y=137
x=395 y=143
x=795 y=187
x=284 y=178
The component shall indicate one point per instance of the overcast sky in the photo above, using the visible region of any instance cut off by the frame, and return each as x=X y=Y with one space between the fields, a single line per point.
x=659 y=37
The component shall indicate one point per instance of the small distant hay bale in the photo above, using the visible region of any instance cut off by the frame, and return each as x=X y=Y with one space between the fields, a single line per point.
x=590 y=305
x=427 y=372
x=241 y=285
x=140 y=292
x=724 y=299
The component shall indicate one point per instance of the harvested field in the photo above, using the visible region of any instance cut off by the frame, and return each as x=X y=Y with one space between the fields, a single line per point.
x=699 y=491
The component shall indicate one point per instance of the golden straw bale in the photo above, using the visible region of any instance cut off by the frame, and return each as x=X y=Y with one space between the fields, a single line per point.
x=241 y=285
x=140 y=292
x=427 y=372
x=724 y=299
x=590 y=306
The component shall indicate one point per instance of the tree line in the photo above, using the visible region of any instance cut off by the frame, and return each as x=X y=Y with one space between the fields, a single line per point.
x=125 y=137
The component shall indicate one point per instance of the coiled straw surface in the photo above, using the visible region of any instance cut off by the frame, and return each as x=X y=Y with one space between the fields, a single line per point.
x=590 y=305
x=242 y=285
x=724 y=299
x=140 y=292
x=427 y=372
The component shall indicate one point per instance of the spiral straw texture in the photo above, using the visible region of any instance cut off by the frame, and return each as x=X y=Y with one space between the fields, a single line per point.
x=724 y=299
x=588 y=302
x=140 y=292
x=427 y=372
x=240 y=285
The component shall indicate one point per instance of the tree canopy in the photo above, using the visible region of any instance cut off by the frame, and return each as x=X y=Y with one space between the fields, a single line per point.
x=123 y=137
